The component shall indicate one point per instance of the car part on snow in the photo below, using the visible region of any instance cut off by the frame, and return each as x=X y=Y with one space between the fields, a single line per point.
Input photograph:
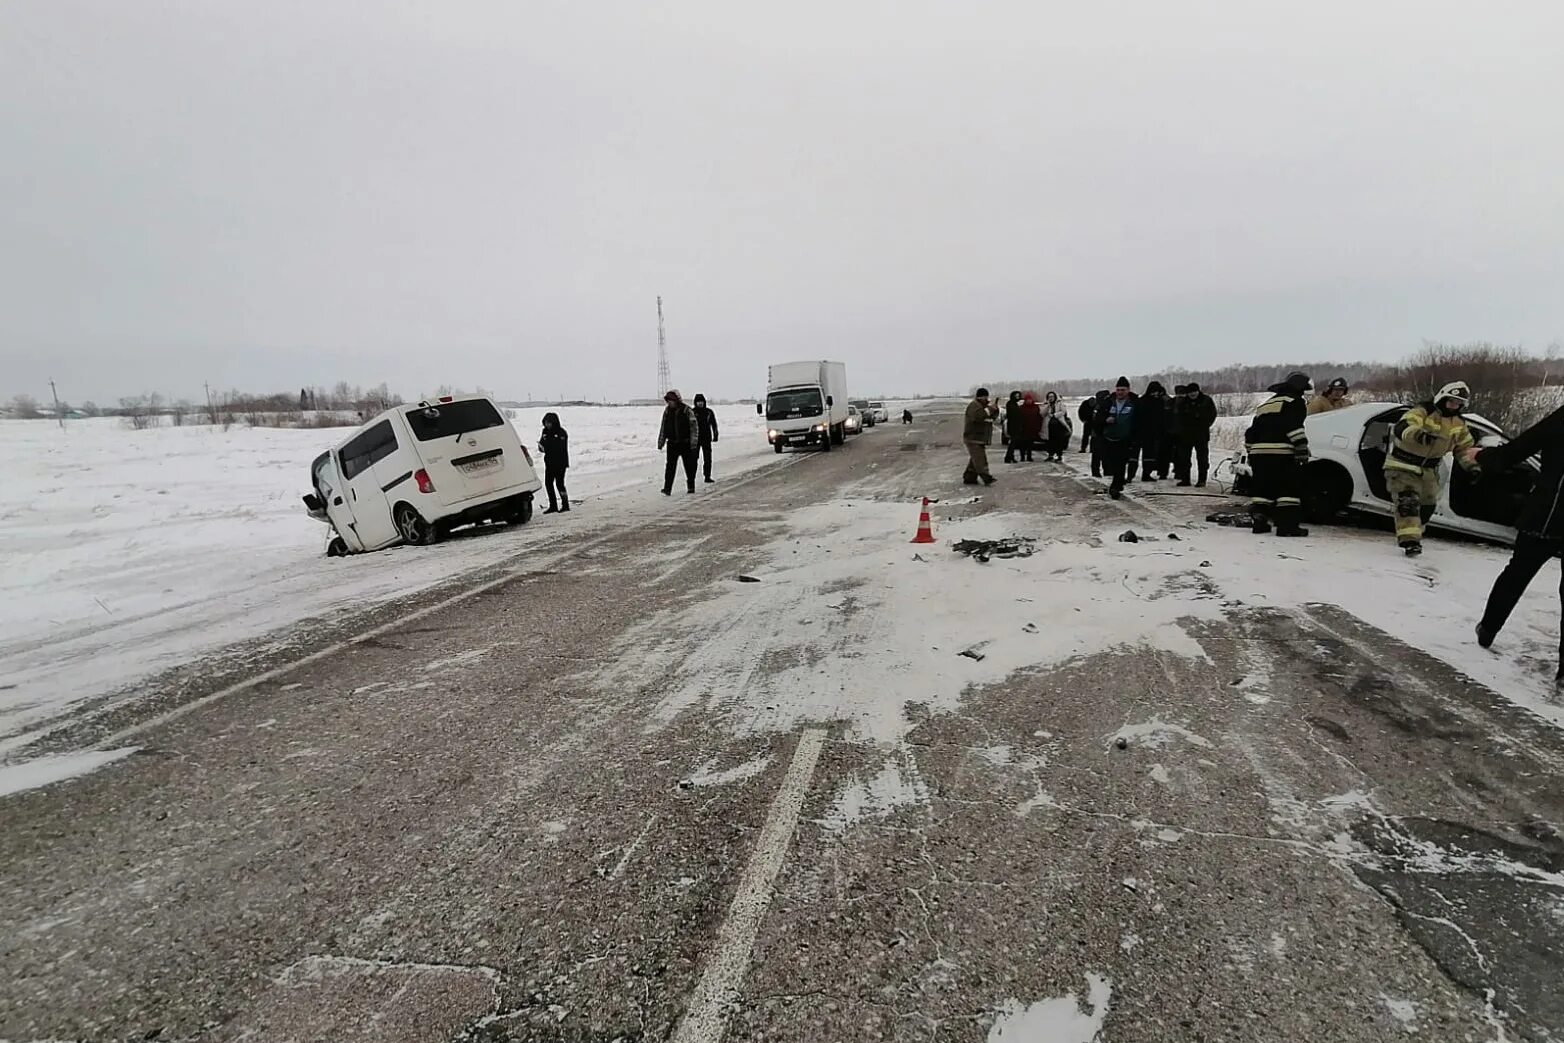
x=972 y=654
x=1237 y=519
x=749 y=579
x=1128 y=536
x=983 y=550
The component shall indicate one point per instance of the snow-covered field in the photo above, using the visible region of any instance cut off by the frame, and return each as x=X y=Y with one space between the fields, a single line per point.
x=127 y=552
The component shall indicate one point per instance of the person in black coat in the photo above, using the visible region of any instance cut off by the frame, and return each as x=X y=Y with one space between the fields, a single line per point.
x=1084 y=414
x=706 y=431
x=1151 y=423
x=1540 y=527
x=554 y=444
x=1192 y=422
x=1097 y=403
x=678 y=436
x=1013 y=433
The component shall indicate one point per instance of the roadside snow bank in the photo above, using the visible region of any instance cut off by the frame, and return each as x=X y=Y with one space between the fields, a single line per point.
x=128 y=552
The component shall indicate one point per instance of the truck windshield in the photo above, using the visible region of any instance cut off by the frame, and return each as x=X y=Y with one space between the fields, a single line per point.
x=453 y=418
x=804 y=402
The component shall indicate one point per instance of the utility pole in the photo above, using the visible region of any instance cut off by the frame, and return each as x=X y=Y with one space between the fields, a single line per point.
x=664 y=378
x=58 y=412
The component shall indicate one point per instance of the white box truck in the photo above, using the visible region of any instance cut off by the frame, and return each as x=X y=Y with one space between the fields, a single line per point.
x=806 y=404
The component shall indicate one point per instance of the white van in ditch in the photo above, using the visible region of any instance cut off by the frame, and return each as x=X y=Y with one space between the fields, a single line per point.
x=414 y=473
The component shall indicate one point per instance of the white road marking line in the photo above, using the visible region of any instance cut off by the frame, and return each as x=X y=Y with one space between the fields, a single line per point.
x=718 y=990
x=630 y=851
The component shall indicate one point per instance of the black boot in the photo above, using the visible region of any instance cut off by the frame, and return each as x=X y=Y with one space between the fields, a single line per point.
x=1259 y=524
x=1413 y=548
x=1485 y=636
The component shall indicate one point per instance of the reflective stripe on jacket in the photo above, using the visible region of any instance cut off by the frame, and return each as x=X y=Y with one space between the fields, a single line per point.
x=1277 y=429
x=1423 y=437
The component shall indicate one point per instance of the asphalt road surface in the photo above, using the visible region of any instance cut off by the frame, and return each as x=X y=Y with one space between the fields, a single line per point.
x=611 y=792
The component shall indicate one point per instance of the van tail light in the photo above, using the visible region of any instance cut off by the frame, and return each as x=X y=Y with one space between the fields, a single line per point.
x=425 y=483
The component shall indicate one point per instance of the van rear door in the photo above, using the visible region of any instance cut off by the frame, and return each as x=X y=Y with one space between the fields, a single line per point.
x=371 y=512
x=469 y=450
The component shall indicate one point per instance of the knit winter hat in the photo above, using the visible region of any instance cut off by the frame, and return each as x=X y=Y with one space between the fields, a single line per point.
x=1123 y=382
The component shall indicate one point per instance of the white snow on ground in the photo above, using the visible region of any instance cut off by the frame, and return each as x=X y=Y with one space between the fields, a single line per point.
x=1404 y=1011
x=874 y=623
x=127 y=552
x=1058 y=1020
x=41 y=771
x=897 y=784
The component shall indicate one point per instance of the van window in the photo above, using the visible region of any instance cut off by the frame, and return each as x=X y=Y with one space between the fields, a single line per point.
x=453 y=418
x=361 y=454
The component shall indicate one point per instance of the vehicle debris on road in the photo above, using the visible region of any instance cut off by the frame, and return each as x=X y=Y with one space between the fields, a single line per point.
x=1010 y=547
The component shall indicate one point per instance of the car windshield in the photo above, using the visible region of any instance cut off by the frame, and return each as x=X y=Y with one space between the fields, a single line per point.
x=449 y=419
x=783 y=404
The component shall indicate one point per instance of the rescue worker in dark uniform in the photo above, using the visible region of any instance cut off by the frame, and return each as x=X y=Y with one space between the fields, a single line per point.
x=1277 y=447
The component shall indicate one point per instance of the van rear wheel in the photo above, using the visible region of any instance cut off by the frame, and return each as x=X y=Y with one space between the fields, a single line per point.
x=410 y=525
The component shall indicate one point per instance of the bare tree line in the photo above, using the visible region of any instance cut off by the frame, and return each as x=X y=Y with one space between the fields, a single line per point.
x=1510 y=385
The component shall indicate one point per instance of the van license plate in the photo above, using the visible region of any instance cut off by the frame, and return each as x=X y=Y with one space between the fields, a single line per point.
x=482 y=466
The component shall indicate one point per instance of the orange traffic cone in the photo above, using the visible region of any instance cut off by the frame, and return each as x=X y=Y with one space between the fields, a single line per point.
x=925 y=529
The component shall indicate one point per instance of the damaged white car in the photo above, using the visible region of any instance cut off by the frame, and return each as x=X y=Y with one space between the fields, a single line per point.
x=1346 y=473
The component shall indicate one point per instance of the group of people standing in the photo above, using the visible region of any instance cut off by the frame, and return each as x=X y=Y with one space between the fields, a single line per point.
x=1029 y=424
x=1151 y=433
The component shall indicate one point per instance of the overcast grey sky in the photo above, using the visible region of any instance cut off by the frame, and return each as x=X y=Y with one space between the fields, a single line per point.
x=271 y=193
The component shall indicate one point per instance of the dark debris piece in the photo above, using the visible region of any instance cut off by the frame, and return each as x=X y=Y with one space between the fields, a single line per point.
x=1128 y=536
x=972 y=654
x=1238 y=519
x=1010 y=547
x=749 y=579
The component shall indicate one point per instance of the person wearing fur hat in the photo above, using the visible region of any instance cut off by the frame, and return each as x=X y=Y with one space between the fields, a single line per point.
x=677 y=436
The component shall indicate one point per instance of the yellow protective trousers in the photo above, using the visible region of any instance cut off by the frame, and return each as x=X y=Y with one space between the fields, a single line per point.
x=1414 y=497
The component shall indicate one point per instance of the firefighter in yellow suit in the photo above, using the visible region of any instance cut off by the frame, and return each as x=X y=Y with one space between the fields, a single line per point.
x=1423 y=436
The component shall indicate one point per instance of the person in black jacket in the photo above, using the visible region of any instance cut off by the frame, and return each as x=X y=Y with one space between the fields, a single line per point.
x=1084 y=414
x=1540 y=527
x=1192 y=423
x=706 y=428
x=1151 y=424
x=554 y=444
x=677 y=435
x=1098 y=403
x=1013 y=436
